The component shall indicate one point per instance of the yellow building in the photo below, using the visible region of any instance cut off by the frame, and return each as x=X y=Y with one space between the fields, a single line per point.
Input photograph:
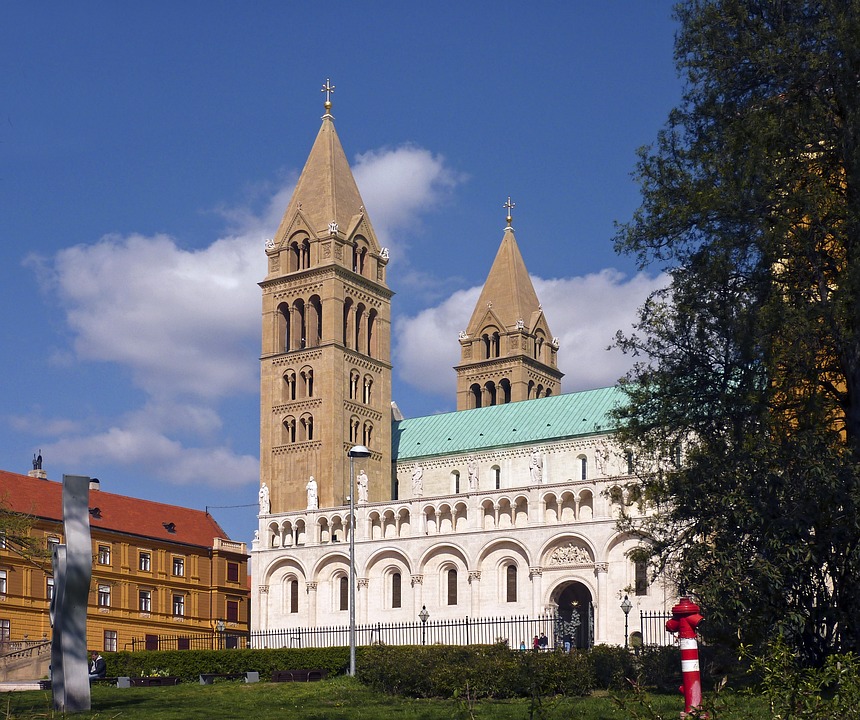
x=158 y=570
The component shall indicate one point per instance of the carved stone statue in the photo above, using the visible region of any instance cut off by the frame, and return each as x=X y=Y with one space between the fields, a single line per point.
x=417 y=481
x=536 y=468
x=313 y=498
x=265 y=503
x=362 y=486
x=473 y=473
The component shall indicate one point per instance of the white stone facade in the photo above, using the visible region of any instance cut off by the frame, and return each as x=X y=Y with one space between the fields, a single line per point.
x=558 y=534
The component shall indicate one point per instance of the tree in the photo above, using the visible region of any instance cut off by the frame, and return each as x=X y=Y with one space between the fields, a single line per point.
x=750 y=358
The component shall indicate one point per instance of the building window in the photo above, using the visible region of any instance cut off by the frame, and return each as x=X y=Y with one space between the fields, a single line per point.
x=104 y=555
x=2 y=539
x=110 y=640
x=49 y=588
x=511 y=583
x=497 y=477
x=395 y=590
x=3 y=588
x=104 y=596
x=294 y=596
x=179 y=606
x=5 y=630
x=179 y=566
x=144 y=561
x=452 y=586
x=583 y=468
x=232 y=572
x=344 y=592
x=144 y=601
x=641 y=569
x=233 y=611
x=629 y=457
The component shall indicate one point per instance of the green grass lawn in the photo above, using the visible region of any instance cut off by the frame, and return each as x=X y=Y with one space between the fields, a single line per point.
x=341 y=699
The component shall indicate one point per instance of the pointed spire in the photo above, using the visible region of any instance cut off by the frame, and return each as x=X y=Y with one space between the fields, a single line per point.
x=508 y=290
x=326 y=192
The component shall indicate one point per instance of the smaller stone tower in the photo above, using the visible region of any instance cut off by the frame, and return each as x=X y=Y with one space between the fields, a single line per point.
x=507 y=351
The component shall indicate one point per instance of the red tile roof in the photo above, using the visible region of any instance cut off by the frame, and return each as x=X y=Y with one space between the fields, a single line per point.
x=116 y=513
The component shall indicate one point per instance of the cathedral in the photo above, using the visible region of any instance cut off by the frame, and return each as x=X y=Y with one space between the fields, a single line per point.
x=505 y=508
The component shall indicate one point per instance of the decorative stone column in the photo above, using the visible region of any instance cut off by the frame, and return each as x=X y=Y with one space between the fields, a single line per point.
x=362 y=598
x=536 y=576
x=475 y=592
x=601 y=570
x=311 y=590
x=417 y=593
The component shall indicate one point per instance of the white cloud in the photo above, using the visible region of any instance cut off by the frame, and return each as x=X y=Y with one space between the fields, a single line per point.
x=182 y=321
x=583 y=312
x=154 y=454
x=399 y=185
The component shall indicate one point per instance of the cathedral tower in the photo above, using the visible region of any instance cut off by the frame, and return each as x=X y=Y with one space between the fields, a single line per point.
x=507 y=352
x=325 y=364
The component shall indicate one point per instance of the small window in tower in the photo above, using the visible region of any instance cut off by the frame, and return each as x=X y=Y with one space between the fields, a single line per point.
x=232 y=572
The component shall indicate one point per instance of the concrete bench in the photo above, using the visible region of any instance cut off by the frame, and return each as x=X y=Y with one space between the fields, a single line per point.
x=303 y=675
x=248 y=677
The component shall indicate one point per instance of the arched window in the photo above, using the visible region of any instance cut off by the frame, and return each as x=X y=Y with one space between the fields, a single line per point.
x=583 y=467
x=294 y=596
x=360 y=328
x=371 y=333
x=289 y=385
x=455 y=481
x=628 y=456
x=368 y=434
x=490 y=393
x=343 y=583
x=504 y=396
x=368 y=384
x=354 y=428
x=289 y=433
x=307 y=384
x=354 y=379
x=511 y=583
x=283 y=328
x=497 y=477
x=314 y=321
x=452 y=586
x=395 y=590
x=475 y=392
x=307 y=423
x=641 y=575
x=531 y=390
x=348 y=320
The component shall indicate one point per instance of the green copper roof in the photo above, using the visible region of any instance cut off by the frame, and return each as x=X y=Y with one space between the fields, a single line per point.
x=519 y=423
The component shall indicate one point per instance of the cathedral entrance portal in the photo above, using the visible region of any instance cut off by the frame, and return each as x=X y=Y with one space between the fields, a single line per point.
x=574 y=622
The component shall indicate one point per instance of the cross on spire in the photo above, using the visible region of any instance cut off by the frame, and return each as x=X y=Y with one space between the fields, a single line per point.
x=509 y=206
x=328 y=89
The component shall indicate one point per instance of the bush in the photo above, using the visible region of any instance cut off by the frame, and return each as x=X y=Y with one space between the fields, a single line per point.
x=613 y=667
x=187 y=665
x=489 y=671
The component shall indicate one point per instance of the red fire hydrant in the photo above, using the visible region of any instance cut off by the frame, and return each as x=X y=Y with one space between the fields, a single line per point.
x=685 y=619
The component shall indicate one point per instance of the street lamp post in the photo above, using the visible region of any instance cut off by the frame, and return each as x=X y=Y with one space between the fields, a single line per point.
x=357 y=451
x=219 y=628
x=626 y=606
x=424 y=616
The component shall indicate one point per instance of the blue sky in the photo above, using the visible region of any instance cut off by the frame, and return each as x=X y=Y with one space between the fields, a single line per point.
x=148 y=150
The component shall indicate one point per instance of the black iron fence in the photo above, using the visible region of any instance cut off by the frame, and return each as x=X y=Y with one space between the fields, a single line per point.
x=516 y=631
x=192 y=641
x=653 y=628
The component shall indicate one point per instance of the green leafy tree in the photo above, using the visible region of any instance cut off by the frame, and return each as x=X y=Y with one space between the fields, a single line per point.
x=749 y=361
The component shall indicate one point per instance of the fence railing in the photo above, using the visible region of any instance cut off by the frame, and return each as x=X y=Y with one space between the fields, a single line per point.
x=464 y=631
x=196 y=641
x=653 y=628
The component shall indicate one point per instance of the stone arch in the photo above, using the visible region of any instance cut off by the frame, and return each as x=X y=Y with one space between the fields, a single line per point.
x=586 y=505
x=551 y=508
x=565 y=546
x=313 y=322
x=573 y=600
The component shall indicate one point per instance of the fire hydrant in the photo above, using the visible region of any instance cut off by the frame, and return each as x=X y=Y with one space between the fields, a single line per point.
x=685 y=619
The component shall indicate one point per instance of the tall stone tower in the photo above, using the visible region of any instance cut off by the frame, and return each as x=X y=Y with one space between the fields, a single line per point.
x=507 y=352
x=325 y=369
